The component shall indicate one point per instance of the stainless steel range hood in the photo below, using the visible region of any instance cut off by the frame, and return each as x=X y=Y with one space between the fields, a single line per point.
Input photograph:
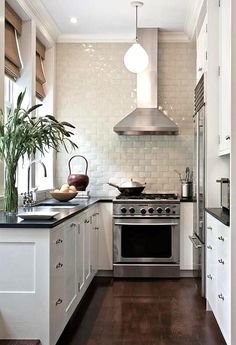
x=147 y=119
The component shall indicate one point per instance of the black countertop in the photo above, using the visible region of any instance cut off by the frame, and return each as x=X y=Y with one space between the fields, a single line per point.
x=80 y=205
x=220 y=214
x=188 y=199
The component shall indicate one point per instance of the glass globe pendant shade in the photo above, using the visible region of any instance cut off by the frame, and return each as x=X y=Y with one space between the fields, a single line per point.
x=136 y=58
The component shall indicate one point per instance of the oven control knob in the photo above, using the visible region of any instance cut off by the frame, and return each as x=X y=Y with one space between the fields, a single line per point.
x=151 y=210
x=143 y=211
x=123 y=210
x=167 y=209
x=131 y=210
x=159 y=210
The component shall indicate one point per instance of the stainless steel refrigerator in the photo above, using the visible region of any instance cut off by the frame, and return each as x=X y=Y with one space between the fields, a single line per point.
x=198 y=237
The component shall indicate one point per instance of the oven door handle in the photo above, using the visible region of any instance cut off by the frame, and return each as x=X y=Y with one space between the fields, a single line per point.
x=138 y=224
x=195 y=241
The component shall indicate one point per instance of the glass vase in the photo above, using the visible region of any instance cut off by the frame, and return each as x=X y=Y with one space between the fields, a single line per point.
x=10 y=204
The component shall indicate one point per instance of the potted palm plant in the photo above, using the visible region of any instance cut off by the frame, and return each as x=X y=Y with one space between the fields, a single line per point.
x=22 y=135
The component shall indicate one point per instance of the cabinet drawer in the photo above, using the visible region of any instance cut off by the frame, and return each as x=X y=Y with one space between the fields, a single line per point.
x=223 y=275
x=210 y=255
x=223 y=245
x=222 y=313
x=57 y=243
x=211 y=289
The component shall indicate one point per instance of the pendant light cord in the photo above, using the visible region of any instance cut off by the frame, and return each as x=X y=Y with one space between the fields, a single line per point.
x=136 y=23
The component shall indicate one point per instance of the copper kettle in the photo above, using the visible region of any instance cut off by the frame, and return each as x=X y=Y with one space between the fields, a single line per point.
x=80 y=181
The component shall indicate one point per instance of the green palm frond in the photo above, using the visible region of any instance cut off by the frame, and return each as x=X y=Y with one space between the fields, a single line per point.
x=24 y=135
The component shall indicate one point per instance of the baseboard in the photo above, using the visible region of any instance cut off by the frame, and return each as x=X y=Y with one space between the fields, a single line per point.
x=104 y=273
x=186 y=274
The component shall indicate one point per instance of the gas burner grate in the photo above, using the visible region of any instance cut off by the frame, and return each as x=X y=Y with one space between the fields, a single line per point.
x=149 y=196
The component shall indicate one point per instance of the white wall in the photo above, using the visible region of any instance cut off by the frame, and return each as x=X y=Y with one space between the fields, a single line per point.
x=95 y=91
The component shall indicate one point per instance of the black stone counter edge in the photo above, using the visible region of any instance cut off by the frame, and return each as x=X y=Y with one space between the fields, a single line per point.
x=219 y=214
x=187 y=200
x=13 y=222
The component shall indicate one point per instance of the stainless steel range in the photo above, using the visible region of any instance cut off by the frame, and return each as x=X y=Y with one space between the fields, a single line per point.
x=146 y=235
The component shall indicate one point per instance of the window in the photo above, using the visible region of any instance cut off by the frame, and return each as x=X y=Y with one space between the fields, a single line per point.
x=13 y=27
x=12 y=91
x=40 y=181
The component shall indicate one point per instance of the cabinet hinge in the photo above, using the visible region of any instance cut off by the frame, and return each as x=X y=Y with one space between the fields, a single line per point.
x=206 y=55
x=206 y=28
x=79 y=286
x=219 y=3
x=219 y=70
x=219 y=139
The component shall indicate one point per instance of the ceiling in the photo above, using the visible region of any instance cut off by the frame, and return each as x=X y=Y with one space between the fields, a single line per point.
x=115 y=20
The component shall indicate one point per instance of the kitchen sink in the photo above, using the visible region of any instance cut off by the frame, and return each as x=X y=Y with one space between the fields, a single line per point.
x=55 y=206
x=55 y=203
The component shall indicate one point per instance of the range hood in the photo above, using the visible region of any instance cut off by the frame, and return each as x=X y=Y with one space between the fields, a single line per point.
x=147 y=119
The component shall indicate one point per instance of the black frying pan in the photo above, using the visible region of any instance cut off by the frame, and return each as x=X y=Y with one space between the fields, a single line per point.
x=129 y=191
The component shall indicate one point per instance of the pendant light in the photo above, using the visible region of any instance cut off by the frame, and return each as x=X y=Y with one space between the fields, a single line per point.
x=136 y=58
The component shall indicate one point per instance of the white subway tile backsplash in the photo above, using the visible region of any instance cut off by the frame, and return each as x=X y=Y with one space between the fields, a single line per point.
x=95 y=91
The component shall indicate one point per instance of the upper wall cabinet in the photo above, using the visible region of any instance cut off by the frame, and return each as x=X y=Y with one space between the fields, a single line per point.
x=201 y=63
x=224 y=76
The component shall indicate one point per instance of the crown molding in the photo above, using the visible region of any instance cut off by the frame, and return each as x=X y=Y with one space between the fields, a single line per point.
x=44 y=23
x=75 y=38
x=173 y=37
x=163 y=36
x=192 y=17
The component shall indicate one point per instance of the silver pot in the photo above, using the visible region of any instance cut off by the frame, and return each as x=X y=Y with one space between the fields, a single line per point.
x=186 y=189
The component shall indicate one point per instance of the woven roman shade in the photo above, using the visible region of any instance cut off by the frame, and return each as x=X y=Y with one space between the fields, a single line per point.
x=40 y=76
x=13 y=27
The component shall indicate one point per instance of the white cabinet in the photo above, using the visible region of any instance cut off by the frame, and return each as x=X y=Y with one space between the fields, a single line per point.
x=50 y=270
x=224 y=76
x=201 y=43
x=105 y=236
x=186 y=230
x=218 y=273
x=94 y=234
x=70 y=262
x=57 y=291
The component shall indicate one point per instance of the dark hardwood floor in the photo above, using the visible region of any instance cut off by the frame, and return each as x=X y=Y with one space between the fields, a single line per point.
x=136 y=312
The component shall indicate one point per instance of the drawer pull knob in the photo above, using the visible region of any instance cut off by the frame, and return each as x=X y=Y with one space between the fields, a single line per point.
x=221 y=238
x=72 y=225
x=221 y=261
x=227 y=137
x=59 y=265
x=86 y=221
x=96 y=228
x=209 y=247
x=209 y=276
x=59 y=241
x=209 y=228
x=59 y=301
x=221 y=296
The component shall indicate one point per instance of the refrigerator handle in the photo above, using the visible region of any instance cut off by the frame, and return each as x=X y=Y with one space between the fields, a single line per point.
x=195 y=241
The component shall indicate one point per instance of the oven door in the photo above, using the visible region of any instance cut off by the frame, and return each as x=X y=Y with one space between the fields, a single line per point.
x=146 y=240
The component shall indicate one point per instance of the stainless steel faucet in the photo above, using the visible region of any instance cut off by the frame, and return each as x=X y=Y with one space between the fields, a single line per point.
x=28 y=199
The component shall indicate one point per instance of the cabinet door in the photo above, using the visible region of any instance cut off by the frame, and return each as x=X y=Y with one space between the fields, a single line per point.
x=80 y=254
x=211 y=267
x=201 y=43
x=87 y=232
x=71 y=285
x=94 y=240
x=186 y=230
x=105 y=237
x=57 y=293
x=224 y=76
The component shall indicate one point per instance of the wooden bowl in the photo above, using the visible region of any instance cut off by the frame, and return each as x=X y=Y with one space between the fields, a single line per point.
x=63 y=196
